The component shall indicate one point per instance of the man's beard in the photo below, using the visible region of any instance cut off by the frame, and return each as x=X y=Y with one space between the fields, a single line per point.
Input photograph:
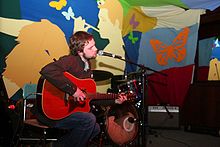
x=88 y=58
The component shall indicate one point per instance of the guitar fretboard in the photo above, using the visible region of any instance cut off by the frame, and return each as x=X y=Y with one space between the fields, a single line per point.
x=103 y=96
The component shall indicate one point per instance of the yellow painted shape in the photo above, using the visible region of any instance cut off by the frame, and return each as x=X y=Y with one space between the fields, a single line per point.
x=12 y=26
x=29 y=56
x=58 y=4
x=214 y=70
x=110 y=31
x=146 y=23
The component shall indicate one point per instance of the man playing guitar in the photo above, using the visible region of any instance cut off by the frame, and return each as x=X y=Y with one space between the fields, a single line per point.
x=67 y=90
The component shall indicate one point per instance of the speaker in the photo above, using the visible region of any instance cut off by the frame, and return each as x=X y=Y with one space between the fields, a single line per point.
x=163 y=117
x=201 y=108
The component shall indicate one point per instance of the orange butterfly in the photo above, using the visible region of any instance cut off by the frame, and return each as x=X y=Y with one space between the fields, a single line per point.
x=175 y=51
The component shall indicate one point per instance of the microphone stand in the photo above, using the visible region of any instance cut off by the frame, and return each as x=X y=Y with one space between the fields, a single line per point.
x=144 y=108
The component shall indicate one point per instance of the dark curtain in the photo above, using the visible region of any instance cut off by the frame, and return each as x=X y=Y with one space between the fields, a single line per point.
x=170 y=89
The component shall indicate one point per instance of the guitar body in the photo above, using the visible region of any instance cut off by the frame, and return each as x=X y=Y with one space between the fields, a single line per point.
x=53 y=102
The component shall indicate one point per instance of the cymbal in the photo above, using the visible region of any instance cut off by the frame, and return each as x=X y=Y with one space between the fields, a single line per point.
x=136 y=73
x=123 y=80
x=101 y=75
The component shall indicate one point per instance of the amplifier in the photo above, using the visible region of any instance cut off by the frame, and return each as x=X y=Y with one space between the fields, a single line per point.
x=163 y=117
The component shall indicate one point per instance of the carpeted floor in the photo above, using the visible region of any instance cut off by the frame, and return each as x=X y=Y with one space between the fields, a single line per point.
x=181 y=138
x=172 y=138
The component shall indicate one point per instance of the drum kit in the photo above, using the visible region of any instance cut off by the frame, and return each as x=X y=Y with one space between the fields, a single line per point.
x=119 y=123
x=122 y=123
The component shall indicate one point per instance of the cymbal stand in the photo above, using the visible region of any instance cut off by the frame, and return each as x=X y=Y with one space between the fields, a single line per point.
x=144 y=109
x=160 y=100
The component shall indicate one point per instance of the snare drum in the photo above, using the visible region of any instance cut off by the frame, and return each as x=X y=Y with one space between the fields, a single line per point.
x=131 y=86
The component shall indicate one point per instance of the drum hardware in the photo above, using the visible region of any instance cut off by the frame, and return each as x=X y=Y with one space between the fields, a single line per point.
x=144 y=106
x=131 y=86
x=143 y=103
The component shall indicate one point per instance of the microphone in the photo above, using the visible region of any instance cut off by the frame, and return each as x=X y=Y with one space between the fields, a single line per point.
x=102 y=53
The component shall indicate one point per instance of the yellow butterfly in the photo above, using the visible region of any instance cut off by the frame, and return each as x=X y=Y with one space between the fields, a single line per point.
x=58 y=5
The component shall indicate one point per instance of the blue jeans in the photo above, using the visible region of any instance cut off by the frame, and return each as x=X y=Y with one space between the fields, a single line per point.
x=82 y=126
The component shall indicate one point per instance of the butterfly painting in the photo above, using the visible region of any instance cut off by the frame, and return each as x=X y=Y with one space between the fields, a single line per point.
x=69 y=14
x=175 y=51
x=58 y=4
x=133 y=23
x=132 y=38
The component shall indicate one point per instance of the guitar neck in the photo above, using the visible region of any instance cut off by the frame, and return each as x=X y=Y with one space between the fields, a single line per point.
x=103 y=96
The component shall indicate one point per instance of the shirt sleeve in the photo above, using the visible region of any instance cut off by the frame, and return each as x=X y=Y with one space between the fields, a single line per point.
x=54 y=73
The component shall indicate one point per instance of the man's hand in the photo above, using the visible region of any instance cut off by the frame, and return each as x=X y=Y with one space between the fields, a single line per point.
x=79 y=95
x=122 y=97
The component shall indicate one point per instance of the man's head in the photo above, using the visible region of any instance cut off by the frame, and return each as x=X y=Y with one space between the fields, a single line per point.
x=82 y=43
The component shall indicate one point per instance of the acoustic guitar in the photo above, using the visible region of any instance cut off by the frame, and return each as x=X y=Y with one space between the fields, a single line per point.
x=57 y=105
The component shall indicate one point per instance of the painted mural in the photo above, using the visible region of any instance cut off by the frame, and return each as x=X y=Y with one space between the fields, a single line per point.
x=160 y=35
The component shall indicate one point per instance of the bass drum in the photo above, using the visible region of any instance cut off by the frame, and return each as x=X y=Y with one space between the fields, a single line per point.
x=122 y=123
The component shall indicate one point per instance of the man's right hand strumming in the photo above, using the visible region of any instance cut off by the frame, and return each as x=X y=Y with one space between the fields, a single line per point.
x=79 y=95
